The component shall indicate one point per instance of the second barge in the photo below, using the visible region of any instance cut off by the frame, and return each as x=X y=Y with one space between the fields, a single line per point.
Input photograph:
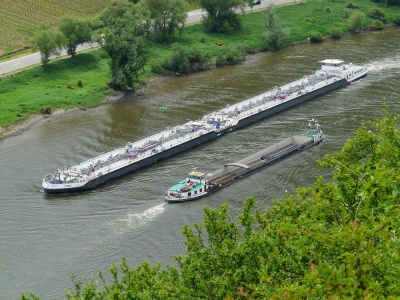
x=197 y=184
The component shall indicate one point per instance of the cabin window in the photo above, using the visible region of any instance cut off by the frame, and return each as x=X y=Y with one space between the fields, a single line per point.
x=189 y=194
x=201 y=190
x=195 y=192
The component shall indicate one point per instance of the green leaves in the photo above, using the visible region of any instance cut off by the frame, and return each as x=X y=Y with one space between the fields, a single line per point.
x=276 y=32
x=221 y=15
x=49 y=42
x=123 y=37
x=167 y=16
x=76 y=32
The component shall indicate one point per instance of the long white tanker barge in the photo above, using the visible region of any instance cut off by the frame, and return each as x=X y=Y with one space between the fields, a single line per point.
x=91 y=173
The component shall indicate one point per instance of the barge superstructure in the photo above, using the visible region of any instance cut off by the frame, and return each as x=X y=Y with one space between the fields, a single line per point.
x=198 y=184
x=93 y=172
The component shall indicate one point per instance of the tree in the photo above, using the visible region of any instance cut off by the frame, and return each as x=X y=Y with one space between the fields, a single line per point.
x=76 y=32
x=221 y=16
x=356 y=21
x=48 y=42
x=167 y=16
x=275 y=31
x=123 y=37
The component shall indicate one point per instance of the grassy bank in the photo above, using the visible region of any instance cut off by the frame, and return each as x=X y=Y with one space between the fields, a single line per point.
x=36 y=90
x=20 y=19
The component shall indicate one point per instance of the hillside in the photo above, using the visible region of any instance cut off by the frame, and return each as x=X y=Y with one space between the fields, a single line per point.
x=21 y=18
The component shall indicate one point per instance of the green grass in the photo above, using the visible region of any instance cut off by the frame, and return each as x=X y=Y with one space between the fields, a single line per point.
x=27 y=93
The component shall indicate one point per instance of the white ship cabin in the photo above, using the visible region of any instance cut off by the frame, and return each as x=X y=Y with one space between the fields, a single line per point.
x=332 y=64
x=337 y=67
x=197 y=177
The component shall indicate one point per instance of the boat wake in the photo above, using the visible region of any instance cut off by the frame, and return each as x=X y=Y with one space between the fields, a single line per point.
x=134 y=220
x=385 y=64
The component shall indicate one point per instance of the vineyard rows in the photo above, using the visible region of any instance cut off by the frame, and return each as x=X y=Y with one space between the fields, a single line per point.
x=21 y=18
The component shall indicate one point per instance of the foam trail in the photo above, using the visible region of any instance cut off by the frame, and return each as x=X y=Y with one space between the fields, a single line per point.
x=134 y=220
x=385 y=64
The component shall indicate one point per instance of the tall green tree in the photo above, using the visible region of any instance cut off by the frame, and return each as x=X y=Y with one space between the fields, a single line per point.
x=275 y=30
x=76 y=32
x=48 y=42
x=221 y=15
x=123 y=36
x=167 y=16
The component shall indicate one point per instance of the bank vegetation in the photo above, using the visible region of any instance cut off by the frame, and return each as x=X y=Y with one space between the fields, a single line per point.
x=167 y=48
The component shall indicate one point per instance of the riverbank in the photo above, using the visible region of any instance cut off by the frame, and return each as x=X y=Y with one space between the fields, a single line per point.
x=23 y=97
x=37 y=119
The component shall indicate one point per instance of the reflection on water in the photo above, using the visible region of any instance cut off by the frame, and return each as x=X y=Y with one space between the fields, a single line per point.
x=45 y=238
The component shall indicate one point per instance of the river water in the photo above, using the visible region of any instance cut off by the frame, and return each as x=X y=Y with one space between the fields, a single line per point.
x=44 y=239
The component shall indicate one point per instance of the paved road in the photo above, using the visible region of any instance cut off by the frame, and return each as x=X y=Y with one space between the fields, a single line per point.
x=194 y=16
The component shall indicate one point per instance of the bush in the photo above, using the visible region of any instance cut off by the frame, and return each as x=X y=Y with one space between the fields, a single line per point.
x=336 y=33
x=351 y=5
x=183 y=60
x=377 y=14
x=356 y=21
x=228 y=23
x=396 y=19
x=231 y=56
x=316 y=37
x=376 y=25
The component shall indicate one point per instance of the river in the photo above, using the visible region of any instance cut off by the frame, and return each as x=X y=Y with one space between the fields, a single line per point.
x=46 y=238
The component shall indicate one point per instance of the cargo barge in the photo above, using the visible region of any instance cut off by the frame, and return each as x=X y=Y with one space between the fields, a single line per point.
x=93 y=172
x=197 y=184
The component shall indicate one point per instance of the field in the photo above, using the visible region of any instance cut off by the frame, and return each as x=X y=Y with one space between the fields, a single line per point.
x=21 y=18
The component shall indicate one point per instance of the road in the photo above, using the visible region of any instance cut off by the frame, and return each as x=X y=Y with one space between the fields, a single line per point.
x=14 y=65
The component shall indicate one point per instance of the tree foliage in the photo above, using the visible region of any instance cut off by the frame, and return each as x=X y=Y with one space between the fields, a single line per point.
x=123 y=36
x=232 y=55
x=356 y=21
x=339 y=239
x=167 y=16
x=48 y=42
x=184 y=60
x=76 y=32
x=275 y=30
x=221 y=15
x=377 y=14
